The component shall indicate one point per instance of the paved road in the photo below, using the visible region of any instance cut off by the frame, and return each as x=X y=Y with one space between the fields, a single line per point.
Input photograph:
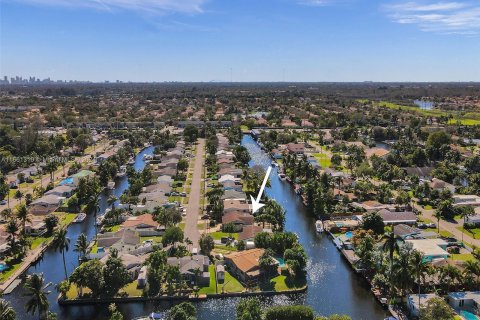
x=448 y=226
x=193 y=208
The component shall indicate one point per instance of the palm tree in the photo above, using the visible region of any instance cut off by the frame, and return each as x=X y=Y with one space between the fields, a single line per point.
x=471 y=273
x=81 y=246
x=465 y=212
x=390 y=244
x=36 y=290
x=22 y=215
x=6 y=311
x=111 y=201
x=438 y=215
x=60 y=243
x=93 y=204
x=12 y=229
x=419 y=269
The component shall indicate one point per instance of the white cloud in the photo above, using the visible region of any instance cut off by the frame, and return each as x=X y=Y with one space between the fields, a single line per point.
x=143 y=6
x=440 y=17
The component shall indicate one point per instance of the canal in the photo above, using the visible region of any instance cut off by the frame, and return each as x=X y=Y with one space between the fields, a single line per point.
x=333 y=286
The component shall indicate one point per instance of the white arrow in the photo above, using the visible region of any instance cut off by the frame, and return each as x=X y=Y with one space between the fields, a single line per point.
x=256 y=203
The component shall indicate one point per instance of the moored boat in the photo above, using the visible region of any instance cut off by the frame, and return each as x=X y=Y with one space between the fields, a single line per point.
x=122 y=172
x=111 y=185
x=319 y=226
x=282 y=176
x=79 y=218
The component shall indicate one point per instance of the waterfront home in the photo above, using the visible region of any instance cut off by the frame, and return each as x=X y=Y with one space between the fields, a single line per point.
x=189 y=265
x=235 y=172
x=233 y=195
x=466 y=200
x=172 y=172
x=225 y=160
x=81 y=175
x=469 y=300
x=123 y=240
x=169 y=163
x=417 y=301
x=132 y=263
x=35 y=227
x=227 y=177
x=424 y=173
x=394 y=217
x=475 y=219
x=238 y=219
x=144 y=225
x=45 y=205
x=431 y=249
x=244 y=265
x=249 y=232
x=232 y=185
x=276 y=154
x=296 y=148
x=230 y=205
x=65 y=191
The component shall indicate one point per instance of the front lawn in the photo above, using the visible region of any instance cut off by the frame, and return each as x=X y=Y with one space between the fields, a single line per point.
x=474 y=233
x=462 y=256
x=156 y=239
x=219 y=235
x=323 y=159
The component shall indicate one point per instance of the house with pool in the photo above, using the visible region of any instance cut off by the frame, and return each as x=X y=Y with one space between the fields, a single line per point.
x=432 y=249
x=465 y=303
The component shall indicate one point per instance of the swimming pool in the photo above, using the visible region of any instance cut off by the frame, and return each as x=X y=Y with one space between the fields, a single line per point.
x=281 y=262
x=68 y=180
x=349 y=234
x=468 y=315
x=3 y=267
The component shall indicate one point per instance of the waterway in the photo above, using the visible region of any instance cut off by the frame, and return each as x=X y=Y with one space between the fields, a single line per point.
x=333 y=286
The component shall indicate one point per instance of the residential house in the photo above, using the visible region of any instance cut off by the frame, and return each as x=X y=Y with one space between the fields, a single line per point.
x=437 y=184
x=406 y=232
x=431 y=249
x=191 y=265
x=424 y=173
x=249 y=232
x=244 y=265
x=466 y=200
x=45 y=204
x=417 y=301
x=393 y=217
x=123 y=240
x=220 y=270
x=296 y=148
x=233 y=195
x=230 y=205
x=238 y=219
x=469 y=300
x=144 y=225
x=65 y=191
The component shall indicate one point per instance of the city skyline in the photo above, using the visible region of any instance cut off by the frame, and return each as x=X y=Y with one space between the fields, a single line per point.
x=274 y=40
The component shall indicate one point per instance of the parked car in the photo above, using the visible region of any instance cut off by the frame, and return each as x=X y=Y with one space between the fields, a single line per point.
x=219 y=256
x=3 y=202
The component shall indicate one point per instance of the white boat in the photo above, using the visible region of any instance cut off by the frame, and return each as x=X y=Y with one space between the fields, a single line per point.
x=319 y=226
x=111 y=185
x=100 y=221
x=147 y=157
x=131 y=161
x=282 y=176
x=122 y=172
x=79 y=218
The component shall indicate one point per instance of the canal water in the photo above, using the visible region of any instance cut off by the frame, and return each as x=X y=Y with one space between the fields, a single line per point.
x=333 y=287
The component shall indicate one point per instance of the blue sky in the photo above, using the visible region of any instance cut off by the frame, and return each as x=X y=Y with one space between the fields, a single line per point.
x=241 y=40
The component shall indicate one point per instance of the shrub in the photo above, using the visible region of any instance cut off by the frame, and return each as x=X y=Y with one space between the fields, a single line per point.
x=290 y=313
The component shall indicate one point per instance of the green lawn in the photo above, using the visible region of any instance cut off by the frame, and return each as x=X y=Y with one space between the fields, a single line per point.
x=231 y=284
x=462 y=256
x=323 y=159
x=243 y=128
x=225 y=248
x=443 y=233
x=132 y=290
x=211 y=289
x=284 y=283
x=37 y=241
x=113 y=228
x=474 y=233
x=428 y=207
x=157 y=239
x=218 y=235
x=13 y=266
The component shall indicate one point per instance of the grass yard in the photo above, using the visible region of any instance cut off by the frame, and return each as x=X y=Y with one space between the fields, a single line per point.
x=285 y=283
x=231 y=284
x=443 y=233
x=156 y=239
x=132 y=290
x=225 y=248
x=462 y=256
x=474 y=233
x=13 y=266
x=113 y=228
x=323 y=159
x=211 y=289
x=218 y=235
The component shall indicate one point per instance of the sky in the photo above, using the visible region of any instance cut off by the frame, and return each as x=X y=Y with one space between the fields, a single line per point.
x=241 y=40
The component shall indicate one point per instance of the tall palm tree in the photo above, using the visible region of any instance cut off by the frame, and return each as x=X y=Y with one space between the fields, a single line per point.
x=471 y=273
x=93 y=205
x=438 y=215
x=12 y=229
x=390 y=244
x=6 y=311
x=81 y=246
x=61 y=243
x=36 y=291
x=22 y=215
x=111 y=201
